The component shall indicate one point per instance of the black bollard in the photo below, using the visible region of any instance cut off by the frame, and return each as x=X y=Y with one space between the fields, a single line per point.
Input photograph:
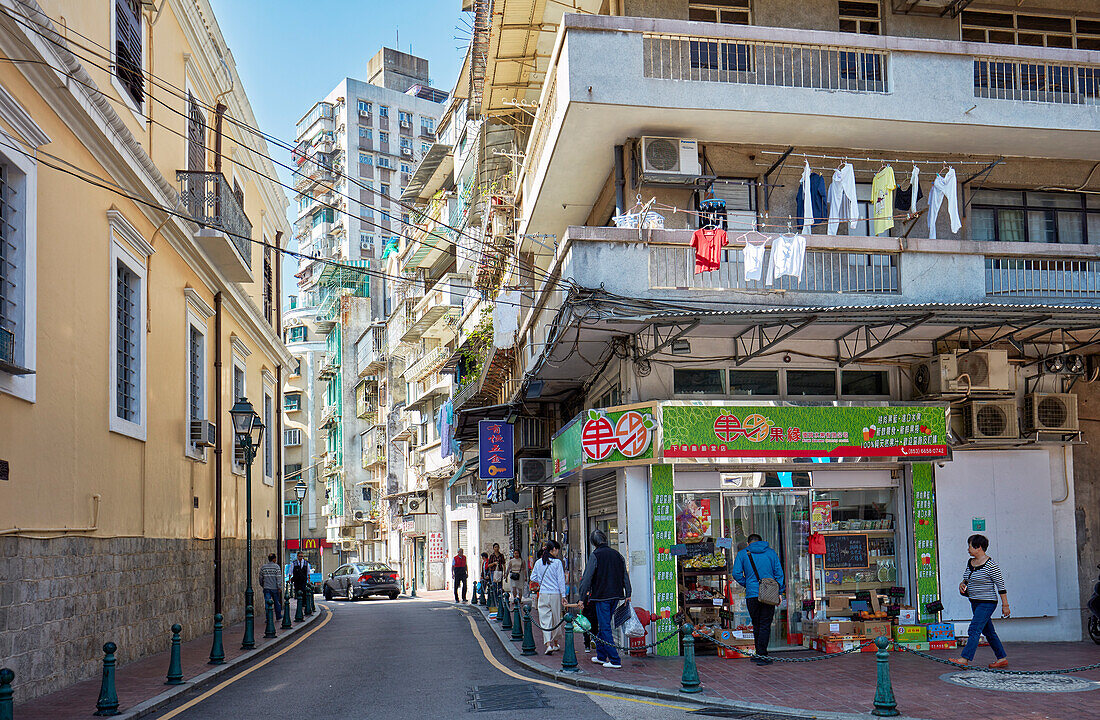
x=506 y=622
x=108 y=699
x=248 y=642
x=175 y=668
x=286 y=612
x=299 y=612
x=517 y=623
x=217 y=652
x=309 y=601
x=269 y=618
x=528 y=647
x=7 y=704
x=885 y=705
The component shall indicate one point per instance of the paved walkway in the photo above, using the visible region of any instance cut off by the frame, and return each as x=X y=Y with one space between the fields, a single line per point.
x=847 y=684
x=141 y=681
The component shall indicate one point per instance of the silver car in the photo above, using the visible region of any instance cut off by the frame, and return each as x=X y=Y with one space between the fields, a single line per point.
x=356 y=580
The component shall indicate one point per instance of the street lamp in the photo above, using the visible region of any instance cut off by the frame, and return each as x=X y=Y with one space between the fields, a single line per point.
x=300 y=493
x=248 y=430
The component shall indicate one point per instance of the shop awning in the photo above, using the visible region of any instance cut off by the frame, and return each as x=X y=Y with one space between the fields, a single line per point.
x=463 y=469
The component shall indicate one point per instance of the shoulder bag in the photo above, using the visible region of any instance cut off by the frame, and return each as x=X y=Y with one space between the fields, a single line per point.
x=768 y=592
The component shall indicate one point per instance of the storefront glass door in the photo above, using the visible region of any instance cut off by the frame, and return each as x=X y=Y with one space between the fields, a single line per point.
x=782 y=518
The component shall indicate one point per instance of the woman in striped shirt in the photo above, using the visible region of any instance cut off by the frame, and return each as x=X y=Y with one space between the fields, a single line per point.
x=982 y=583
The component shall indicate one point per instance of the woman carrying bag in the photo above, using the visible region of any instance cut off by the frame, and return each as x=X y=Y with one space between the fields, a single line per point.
x=982 y=584
x=516 y=575
x=549 y=575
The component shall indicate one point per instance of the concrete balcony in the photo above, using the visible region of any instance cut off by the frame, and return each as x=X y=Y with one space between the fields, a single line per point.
x=224 y=230
x=424 y=389
x=370 y=351
x=427 y=363
x=779 y=86
x=330 y=416
x=437 y=312
x=329 y=366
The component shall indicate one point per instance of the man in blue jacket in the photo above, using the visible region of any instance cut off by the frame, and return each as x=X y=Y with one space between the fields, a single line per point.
x=759 y=554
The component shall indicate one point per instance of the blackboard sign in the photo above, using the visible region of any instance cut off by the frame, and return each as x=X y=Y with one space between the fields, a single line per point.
x=846 y=552
x=692 y=549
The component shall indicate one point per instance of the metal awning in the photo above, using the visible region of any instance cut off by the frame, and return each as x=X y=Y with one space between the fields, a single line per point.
x=466 y=420
x=430 y=175
x=463 y=469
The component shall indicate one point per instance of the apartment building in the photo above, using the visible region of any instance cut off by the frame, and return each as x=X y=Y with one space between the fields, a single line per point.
x=920 y=371
x=139 y=300
x=356 y=151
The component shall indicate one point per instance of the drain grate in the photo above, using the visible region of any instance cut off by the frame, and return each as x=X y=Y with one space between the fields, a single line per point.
x=494 y=698
x=748 y=714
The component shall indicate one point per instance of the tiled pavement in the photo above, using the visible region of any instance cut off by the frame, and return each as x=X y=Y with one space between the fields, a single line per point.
x=143 y=680
x=847 y=684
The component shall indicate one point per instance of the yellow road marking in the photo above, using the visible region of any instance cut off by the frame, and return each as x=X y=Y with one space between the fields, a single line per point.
x=222 y=685
x=496 y=663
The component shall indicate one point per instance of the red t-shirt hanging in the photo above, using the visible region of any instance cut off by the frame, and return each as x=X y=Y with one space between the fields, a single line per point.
x=708 y=246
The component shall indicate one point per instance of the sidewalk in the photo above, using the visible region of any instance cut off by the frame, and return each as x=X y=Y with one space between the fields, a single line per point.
x=140 y=684
x=845 y=684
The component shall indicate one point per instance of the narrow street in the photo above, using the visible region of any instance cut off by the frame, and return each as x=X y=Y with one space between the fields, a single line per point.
x=399 y=659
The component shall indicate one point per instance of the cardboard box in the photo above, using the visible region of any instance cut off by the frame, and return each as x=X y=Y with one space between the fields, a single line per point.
x=727 y=654
x=922 y=646
x=907 y=616
x=941 y=644
x=941 y=631
x=911 y=633
x=829 y=645
x=827 y=628
x=873 y=629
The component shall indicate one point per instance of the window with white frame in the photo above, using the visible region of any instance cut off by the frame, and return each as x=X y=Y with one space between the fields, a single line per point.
x=405 y=118
x=385 y=189
x=128 y=349
x=383 y=111
x=366 y=241
x=292 y=401
x=384 y=162
x=427 y=124
x=292 y=437
x=383 y=137
x=735 y=12
x=365 y=159
x=364 y=132
x=269 y=429
x=405 y=168
x=364 y=107
x=406 y=143
x=128 y=34
x=297 y=333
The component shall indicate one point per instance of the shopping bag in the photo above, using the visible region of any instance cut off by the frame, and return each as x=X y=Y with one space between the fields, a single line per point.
x=633 y=626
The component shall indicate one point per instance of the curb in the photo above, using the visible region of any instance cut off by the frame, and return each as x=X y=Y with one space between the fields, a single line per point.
x=702 y=700
x=208 y=678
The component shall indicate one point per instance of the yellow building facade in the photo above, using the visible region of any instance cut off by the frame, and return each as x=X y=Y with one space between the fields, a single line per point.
x=139 y=298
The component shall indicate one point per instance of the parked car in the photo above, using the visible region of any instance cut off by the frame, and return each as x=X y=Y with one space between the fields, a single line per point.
x=356 y=580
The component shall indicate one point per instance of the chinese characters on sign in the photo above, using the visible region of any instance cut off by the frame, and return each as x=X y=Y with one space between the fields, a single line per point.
x=605 y=436
x=436 y=552
x=664 y=563
x=496 y=455
x=924 y=538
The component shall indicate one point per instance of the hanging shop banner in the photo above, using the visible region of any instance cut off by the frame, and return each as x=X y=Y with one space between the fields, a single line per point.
x=496 y=451
x=924 y=538
x=715 y=432
x=606 y=437
x=664 y=562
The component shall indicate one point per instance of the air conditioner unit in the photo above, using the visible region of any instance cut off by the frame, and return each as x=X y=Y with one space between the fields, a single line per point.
x=406 y=151
x=935 y=375
x=347 y=532
x=1050 y=412
x=978 y=371
x=364 y=113
x=990 y=420
x=359 y=515
x=670 y=156
x=417 y=505
x=536 y=471
x=203 y=433
x=238 y=454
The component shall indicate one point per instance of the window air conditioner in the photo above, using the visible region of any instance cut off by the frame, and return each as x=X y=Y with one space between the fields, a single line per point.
x=1050 y=412
x=358 y=514
x=416 y=505
x=406 y=151
x=238 y=454
x=203 y=433
x=364 y=113
x=670 y=156
x=990 y=420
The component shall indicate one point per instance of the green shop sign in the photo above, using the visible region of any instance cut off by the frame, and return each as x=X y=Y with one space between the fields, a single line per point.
x=718 y=432
x=664 y=562
x=623 y=435
x=924 y=538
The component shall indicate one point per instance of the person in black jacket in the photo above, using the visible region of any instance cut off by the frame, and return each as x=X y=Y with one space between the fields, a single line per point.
x=605 y=583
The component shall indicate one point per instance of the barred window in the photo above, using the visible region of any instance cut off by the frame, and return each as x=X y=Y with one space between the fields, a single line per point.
x=127 y=344
x=194 y=373
x=12 y=275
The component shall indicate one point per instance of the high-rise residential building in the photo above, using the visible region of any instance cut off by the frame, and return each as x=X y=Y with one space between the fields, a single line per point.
x=356 y=150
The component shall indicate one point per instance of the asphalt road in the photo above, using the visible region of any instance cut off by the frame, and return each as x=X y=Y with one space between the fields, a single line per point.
x=401 y=659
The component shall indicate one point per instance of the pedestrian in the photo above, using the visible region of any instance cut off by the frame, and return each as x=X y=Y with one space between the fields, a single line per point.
x=459 y=573
x=271 y=580
x=589 y=611
x=758 y=561
x=516 y=574
x=605 y=583
x=496 y=566
x=299 y=574
x=549 y=573
x=982 y=583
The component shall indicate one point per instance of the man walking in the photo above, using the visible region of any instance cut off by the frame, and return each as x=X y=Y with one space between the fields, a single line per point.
x=459 y=573
x=299 y=574
x=605 y=583
x=757 y=562
x=271 y=580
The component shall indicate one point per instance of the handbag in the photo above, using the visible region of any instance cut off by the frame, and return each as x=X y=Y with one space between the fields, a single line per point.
x=514 y=577
x=768 y=592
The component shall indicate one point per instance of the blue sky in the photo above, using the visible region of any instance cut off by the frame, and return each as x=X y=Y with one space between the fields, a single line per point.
x=291 y=53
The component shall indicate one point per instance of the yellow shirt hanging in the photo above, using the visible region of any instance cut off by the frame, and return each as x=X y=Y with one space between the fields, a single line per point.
x=882 y=191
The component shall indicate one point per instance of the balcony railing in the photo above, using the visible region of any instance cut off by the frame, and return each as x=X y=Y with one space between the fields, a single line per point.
x=825 y=67
x=1008 y=79
x=1041 y=277
x=211 y=203
x=823 y=271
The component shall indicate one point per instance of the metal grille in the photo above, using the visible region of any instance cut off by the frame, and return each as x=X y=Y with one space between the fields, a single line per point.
x=822 y=271
x=210 y=201
x=269 y=458
x=750 y=62
x=195 y=373
x=1006 y=79
x=1040 y=277
x=128 y=48
x=126 y=343
x=495 y=698
x=269 y=301
x=10 y=274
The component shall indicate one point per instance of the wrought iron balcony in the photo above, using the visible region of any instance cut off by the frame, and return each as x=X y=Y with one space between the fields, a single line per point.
x=224 y=230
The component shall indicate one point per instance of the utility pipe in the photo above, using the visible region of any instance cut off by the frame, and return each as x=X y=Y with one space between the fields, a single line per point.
x=92 y=528
x=218 y=452
x=620 y=182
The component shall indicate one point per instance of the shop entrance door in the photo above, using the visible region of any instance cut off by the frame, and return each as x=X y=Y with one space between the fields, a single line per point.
x=782 y=518
x=421 y=553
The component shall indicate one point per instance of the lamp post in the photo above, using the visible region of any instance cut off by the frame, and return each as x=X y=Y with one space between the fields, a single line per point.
x=300 y=493
x=249 y=430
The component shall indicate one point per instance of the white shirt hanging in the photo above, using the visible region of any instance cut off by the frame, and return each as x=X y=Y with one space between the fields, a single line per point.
x=754 y=260
x=807 y=204
x=842 y=198
x=788 y=253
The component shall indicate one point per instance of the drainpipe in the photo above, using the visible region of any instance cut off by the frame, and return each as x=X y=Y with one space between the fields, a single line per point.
x=218 y=452
x=620 y=182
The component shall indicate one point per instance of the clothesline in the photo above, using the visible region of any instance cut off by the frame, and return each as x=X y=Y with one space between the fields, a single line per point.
x=895 y=161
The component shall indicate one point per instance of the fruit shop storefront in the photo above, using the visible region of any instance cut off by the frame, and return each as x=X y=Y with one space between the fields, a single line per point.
x=843 y=493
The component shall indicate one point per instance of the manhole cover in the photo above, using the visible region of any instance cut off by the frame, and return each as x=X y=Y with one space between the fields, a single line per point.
x=494 y=698
x=1006 y=682
x=748 y=714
